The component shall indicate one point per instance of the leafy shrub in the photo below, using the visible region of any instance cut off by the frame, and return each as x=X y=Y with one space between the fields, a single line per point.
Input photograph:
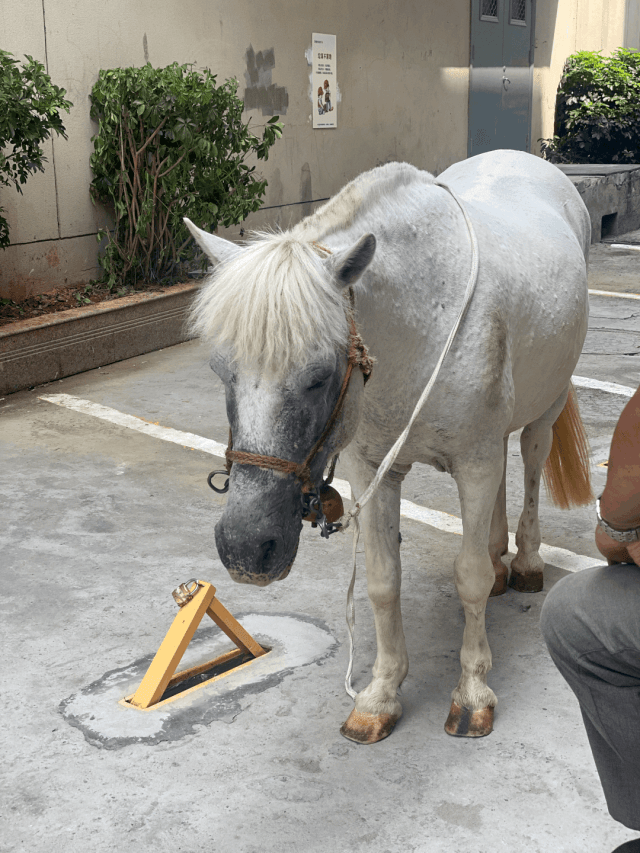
x=29 y=112
x=170 y=144
x=597 y=110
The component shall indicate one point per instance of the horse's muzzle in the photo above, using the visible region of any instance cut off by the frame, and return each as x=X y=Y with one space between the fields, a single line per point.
x=256 y=556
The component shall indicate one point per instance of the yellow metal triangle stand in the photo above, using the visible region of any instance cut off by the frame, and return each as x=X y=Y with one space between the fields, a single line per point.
x=194 y=598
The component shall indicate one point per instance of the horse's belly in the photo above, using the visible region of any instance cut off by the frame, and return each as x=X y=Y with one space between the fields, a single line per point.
x=544 y=358
x=535 y=280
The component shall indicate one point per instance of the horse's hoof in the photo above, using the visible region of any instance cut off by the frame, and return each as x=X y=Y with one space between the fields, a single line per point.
x=500 y=583
x=362 y=727
x=526 y=581
x=462 y=722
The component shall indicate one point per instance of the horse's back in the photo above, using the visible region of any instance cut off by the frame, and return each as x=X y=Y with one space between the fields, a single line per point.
x=523 y=190
x=533 y=235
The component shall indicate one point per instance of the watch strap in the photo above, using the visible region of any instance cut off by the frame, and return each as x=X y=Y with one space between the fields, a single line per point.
x=632 y=535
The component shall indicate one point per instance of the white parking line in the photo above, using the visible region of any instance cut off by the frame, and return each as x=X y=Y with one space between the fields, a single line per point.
x=614 y=293
x=609 y=387
x=442 y=520
x=186 y=439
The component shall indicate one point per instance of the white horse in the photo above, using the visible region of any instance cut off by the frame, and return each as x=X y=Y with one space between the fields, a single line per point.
x=276 y=314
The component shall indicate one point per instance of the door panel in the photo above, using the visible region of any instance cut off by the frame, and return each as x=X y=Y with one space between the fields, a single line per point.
x=501 y=78
x=485 y=105
x=517 y=59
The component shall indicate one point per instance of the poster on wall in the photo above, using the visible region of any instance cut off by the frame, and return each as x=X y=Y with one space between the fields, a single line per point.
x=323 y=81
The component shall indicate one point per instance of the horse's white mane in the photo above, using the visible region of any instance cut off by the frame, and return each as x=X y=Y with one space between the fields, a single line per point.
x=276 y=303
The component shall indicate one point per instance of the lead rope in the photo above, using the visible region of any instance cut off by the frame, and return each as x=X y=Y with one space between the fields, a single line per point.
x=390 y=458
x=351 y=611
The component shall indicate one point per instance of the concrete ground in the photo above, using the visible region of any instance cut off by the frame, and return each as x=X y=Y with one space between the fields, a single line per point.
x=614 y=263
x=101 y=522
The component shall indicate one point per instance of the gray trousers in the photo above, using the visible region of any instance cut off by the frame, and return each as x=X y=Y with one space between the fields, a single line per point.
x=591 y=624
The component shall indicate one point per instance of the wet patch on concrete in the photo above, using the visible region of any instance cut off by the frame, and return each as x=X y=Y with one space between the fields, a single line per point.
x=294 y=640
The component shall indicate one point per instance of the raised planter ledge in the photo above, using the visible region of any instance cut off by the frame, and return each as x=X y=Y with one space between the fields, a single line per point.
x=611 y=193
x=43 y=349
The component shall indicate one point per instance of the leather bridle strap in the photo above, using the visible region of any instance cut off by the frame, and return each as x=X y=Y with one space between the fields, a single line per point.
x=357 y=355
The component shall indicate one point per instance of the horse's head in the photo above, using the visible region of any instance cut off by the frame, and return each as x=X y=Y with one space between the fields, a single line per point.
x=277 y=317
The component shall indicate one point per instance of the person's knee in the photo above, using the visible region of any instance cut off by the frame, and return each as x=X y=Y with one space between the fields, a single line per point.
x=562 y=620
x=555 y=612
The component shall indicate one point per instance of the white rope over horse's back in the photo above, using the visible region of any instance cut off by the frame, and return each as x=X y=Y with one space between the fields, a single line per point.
x=392 y=455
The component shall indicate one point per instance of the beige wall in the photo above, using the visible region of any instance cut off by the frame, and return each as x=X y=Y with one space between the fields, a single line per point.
x=402 y=74
x=564 y=27
x=396 y=102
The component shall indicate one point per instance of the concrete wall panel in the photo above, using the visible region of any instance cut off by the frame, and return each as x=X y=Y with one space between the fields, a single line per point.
x=31 y=268
x=31 y=215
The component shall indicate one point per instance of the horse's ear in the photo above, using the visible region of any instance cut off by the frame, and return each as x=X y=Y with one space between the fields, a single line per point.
x=216 y=249
x=350 y=265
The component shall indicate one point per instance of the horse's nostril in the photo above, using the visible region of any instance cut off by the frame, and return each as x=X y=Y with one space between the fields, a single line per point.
x=267 y=554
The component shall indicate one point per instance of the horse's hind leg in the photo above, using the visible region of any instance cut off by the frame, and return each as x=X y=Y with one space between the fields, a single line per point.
x=535 y=444
x=499 y=535
x=478 y=481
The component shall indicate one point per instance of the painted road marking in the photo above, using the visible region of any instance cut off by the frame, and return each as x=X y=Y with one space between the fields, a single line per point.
x=186 y=439
x=452 y=524
x=609 y=387
x=442 y=520
x=613 y=293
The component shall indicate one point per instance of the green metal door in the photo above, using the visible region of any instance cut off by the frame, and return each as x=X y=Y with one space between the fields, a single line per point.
x=501 y=75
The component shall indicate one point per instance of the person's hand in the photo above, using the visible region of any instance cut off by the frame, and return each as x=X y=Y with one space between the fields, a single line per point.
x=620 y=500
x=617 y=552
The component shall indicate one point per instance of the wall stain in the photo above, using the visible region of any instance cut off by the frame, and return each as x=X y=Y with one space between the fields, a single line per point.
x=145 y=47
x=260 y=92
x=52 y=257
x=306 y=191
x=276 y=191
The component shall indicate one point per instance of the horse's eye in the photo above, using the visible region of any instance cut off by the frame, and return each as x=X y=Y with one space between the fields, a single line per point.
x=319 y=383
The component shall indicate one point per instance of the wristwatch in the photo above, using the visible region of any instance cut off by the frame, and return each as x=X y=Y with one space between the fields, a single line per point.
x=632 y=535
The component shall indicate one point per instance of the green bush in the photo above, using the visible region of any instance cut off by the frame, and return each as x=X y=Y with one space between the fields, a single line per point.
x=29 y=112
x=170 y=144
x=597 y=110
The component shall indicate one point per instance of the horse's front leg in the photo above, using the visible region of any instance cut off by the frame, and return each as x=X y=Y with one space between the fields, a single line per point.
x=471 y=713
x=377 y=708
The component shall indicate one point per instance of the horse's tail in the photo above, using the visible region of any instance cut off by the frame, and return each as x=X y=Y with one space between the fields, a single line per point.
x=567 y=471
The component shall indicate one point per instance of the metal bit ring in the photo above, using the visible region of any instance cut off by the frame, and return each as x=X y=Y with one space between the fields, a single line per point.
x=225 y=488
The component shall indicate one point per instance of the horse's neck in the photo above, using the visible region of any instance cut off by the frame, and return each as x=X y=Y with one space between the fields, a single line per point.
x=410 y=296
x=369 y=197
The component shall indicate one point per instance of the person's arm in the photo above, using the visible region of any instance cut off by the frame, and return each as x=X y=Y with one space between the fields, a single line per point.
x=620 y=502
